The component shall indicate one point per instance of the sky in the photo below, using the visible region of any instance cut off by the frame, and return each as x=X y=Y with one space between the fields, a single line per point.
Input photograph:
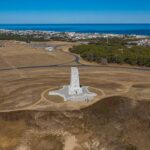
x=74 y=11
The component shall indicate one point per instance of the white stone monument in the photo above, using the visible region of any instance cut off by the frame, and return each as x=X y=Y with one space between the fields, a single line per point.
x=74 y=92
x=74 y=88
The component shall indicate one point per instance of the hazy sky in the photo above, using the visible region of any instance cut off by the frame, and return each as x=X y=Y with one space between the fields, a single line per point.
x=75 y=11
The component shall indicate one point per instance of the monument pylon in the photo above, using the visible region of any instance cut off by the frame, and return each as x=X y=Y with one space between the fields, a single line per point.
x=74 y=88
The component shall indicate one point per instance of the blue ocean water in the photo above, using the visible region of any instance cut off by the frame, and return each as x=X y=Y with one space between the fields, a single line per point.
x=139 y=29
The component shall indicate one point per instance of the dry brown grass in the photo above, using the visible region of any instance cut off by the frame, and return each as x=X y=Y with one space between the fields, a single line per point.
x=18 y=55
x=10 y=133
x=118 y=119
x=46 y=142
x=18 y=92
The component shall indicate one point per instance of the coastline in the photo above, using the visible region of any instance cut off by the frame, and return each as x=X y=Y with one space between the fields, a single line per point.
x=124 y=29
x=76 y=35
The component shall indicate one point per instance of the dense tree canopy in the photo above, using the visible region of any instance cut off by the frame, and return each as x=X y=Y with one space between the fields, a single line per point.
x=115 y=52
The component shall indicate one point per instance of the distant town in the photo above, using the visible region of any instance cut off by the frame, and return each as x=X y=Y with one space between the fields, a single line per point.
x=30 y=35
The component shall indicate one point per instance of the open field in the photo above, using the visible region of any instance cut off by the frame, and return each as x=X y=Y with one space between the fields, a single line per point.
x=20 y=54
x=118 y=119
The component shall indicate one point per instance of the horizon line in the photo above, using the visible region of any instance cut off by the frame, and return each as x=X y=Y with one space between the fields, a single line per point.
x=66 y=23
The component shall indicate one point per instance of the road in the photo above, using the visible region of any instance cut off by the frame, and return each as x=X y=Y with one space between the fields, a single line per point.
x=76 y=62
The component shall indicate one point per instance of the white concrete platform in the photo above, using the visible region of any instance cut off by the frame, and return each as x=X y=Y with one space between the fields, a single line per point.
x=86 y=95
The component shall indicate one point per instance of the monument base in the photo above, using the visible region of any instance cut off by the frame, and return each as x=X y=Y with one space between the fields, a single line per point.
x=75 y=91
x=86 y=95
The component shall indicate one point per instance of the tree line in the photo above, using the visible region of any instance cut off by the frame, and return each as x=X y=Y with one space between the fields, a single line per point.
x=26 y=38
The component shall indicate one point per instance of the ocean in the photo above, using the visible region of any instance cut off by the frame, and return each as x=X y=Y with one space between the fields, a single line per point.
x=138 y=29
